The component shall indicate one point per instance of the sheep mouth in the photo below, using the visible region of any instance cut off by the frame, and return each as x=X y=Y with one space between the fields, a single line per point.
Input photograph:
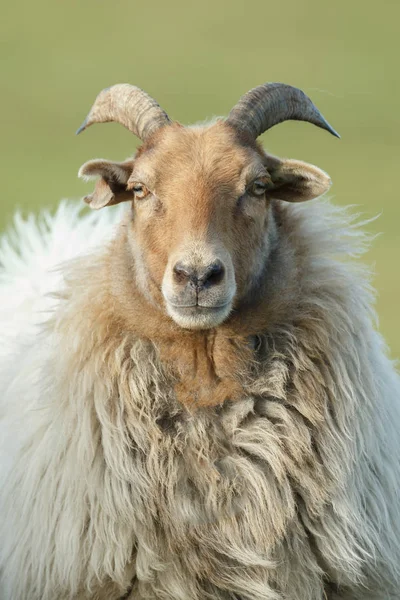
x=199 y=316
x=199 y=307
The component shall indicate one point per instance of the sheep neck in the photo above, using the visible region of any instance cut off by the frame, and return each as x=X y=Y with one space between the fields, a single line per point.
x=209 y=367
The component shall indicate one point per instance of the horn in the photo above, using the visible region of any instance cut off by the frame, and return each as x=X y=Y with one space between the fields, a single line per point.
x=272 y=103
x=130 y=106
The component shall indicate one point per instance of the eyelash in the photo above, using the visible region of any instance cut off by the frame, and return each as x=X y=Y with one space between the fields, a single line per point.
x=140 y=191
x=261 y=189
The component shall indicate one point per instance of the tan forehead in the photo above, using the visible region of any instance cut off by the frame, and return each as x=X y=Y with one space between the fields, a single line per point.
x=213 y=151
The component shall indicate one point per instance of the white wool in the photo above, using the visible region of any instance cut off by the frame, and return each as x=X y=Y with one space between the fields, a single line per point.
x=290 y=493
x=31 y=252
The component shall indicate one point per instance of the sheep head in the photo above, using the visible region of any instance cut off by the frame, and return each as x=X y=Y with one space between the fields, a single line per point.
x=201 y=226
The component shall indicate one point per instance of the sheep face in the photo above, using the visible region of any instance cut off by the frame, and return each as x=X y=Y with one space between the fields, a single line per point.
x=201 y=225
x=200 y=221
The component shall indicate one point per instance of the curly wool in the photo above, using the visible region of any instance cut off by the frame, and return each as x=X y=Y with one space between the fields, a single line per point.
x=111 y=487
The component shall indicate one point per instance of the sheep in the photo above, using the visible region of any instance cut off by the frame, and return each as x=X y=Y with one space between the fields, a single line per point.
x=208 y=410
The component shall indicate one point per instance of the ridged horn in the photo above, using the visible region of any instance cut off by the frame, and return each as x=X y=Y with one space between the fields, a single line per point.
x=130 y=106
x=272 y=103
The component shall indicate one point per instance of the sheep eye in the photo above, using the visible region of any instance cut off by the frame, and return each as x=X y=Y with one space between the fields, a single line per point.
x=258 y=188
x=140 y=191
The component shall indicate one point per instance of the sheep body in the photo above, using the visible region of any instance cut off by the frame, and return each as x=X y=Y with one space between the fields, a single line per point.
x=289 y=492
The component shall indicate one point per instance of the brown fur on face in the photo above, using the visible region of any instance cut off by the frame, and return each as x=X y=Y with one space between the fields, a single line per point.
x=198 y=211
x=197 y=202
x=197 y=205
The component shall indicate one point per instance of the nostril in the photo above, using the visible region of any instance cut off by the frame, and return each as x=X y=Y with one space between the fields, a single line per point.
x=214 y=274
x=182 y=272
x=206 y=277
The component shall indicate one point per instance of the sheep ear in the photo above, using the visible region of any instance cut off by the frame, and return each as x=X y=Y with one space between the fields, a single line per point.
x=112 y=185
x=294 y=180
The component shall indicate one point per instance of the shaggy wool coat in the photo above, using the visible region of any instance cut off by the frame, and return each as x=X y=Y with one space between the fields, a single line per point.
x=110 y=488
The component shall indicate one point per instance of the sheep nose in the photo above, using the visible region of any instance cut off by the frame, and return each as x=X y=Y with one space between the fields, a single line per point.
x=199 y=277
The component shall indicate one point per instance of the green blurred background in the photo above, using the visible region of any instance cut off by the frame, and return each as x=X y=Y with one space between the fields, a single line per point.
x=197 y=59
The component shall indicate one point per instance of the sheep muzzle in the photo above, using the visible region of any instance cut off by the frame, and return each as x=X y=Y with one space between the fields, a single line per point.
x=199 y=287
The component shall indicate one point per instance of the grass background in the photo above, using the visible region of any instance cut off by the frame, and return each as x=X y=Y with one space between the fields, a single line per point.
x=197 y=58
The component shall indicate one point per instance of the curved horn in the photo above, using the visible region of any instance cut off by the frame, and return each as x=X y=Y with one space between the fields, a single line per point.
x=130 y=106
x=272 y=103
